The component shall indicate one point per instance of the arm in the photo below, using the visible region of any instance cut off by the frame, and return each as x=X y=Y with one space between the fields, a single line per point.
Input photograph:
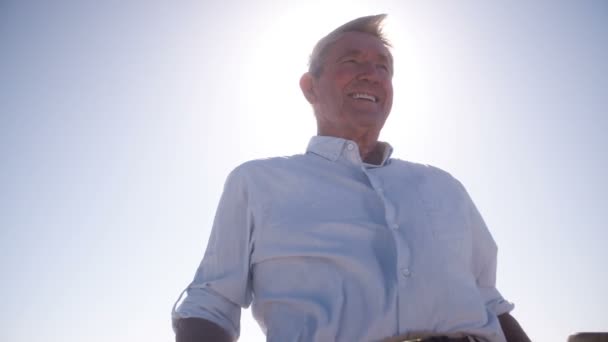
x=485 y=255
x=200 y=330
x=512 y=330
x=221 y=287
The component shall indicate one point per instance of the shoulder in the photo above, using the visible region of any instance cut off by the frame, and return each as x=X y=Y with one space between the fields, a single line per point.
x=424 y=171
x=265 y=164
x=432 y=181
x=258 y=169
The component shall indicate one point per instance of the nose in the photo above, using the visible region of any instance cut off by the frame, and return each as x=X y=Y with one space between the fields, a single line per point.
x=368 y=72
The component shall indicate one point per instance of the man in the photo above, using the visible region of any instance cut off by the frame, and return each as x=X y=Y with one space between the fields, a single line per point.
x=344 y=243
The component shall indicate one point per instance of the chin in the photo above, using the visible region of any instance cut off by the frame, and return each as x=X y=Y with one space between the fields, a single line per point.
x=372 y=117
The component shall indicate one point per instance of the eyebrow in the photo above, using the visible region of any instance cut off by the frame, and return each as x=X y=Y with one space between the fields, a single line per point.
x=384 y=58
x=349 y=53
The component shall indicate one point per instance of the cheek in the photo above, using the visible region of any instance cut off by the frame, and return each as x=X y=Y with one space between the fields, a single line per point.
x=389 y=93
x=332 y=93
x=389 y=103
x=343 y=77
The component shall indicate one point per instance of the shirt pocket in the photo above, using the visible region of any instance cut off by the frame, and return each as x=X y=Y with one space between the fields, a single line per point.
x=450 y=239
x=447 y=225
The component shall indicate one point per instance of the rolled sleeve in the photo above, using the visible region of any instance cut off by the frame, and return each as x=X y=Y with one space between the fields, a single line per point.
x=484 y=260
x=207 y=304
x=495 y=302
x=486 y=281
x=222 y=285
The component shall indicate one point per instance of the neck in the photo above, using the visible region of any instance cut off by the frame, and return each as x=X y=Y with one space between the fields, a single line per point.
x=371 y=153
x=369 y=149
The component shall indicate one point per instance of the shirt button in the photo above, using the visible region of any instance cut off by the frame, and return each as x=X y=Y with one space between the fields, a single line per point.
x=394 y=226
x=350 y=147
x=406 y=272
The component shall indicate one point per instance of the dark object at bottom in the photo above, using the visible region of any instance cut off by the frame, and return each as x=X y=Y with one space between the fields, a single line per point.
x=589 y=337
x=444 y=339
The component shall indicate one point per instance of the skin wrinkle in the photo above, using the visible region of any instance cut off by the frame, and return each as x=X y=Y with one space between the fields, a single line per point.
x=358 y=62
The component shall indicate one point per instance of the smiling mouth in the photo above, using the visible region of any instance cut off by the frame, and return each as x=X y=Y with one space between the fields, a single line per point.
x=364 y=96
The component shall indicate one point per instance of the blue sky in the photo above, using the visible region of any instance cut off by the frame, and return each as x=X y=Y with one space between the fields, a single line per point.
x=120 y=121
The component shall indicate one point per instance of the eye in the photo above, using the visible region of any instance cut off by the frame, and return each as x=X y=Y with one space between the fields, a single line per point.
x=383 y=66
x=349 y=61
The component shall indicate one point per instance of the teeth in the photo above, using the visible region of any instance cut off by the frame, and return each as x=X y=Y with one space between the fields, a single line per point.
x=364 y=96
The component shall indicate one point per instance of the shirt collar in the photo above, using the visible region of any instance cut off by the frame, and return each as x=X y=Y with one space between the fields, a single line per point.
x=333 y=148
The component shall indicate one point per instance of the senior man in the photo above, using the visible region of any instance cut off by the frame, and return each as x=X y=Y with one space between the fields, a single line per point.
x=345 y=243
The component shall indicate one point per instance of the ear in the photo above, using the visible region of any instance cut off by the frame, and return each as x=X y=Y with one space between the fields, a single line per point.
x=307 y=86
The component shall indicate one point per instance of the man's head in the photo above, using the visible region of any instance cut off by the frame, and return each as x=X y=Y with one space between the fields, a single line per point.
x=349 y=82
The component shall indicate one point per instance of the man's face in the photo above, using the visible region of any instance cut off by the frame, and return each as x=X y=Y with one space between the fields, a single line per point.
x=354 y=91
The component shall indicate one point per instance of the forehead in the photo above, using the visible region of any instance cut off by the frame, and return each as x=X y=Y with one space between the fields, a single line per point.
x=358 y=42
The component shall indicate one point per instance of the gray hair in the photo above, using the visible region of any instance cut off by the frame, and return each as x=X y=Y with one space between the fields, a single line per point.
x=370 y=24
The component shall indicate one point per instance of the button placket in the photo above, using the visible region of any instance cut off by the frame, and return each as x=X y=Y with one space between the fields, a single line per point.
x=406 y=272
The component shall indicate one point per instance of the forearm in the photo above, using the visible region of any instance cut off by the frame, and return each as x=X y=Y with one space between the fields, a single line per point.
x=511 y=328
x=200 y=330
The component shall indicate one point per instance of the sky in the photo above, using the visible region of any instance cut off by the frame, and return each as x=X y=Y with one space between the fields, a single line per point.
x=119 y=121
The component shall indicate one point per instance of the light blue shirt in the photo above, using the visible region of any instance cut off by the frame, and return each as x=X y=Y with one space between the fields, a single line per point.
x=328 y=248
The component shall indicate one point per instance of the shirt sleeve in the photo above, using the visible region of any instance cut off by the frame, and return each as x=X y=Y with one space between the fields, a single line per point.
x=484 y=262
x=222 y=284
